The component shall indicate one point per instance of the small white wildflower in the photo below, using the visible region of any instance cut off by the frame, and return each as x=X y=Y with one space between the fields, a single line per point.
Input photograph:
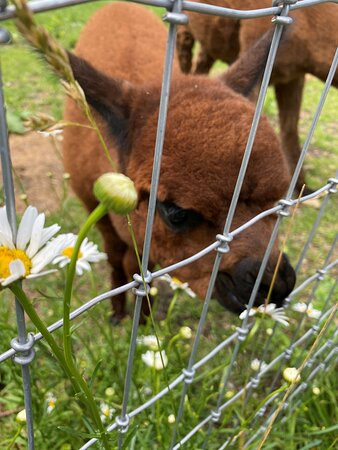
x=106 y=412
x=269 y=331
x=66 y=176
x=21 y=416
x=270 y=310
x=316 y=390
x=51 y=402
x=154 y=359
x=291 y=375
x=171 y=418
x=257 y=364
x=186 y=332
x=23 y=197
x=88 y=254
x=33 y=249
x=176 y=284
x=311 y=312
x=149 y=341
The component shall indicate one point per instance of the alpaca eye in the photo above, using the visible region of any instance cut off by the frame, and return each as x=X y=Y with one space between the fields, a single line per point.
x=178 y=219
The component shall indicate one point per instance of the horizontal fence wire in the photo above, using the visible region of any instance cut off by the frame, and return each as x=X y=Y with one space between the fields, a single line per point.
x=221 y=246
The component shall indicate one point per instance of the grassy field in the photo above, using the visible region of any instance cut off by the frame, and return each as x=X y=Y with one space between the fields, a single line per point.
x=30 y=88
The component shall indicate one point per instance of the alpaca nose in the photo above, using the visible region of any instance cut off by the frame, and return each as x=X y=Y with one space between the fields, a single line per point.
x=233 y=290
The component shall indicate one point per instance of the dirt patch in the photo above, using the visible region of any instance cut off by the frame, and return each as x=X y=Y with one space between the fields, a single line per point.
x=38 y=171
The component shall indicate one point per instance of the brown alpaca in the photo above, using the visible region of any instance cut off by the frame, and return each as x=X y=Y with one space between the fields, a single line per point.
x=207 y=130
x=308 y=47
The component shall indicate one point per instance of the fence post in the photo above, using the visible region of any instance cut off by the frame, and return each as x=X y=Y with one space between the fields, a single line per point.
x=23 y=343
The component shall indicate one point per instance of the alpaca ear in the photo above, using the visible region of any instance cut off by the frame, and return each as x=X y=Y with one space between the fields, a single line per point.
x=111 y=98
x=244 y=74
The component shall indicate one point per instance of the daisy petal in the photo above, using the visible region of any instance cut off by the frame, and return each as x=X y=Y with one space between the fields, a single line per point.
x=25 y=227
x=17 y=270
x=36 y=235
x=48 y=233
x=40 y=274
x=6 y=237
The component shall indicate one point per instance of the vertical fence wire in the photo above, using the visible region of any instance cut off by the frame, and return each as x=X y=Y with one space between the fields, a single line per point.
x=225 y=247
x=123 y=420
x=21 y=341
x=292 y=186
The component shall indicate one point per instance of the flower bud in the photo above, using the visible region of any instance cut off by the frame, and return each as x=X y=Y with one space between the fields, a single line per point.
x=171 y=418
x=291 y=375
x=185 y=332
x=110 y=392
x=116 y=192
x=316 y=390
x=21 y=416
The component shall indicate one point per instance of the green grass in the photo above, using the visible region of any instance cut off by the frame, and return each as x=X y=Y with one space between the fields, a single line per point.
x=99 y=347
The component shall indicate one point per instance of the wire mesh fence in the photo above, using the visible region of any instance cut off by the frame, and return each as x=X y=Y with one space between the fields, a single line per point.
x=313 y=360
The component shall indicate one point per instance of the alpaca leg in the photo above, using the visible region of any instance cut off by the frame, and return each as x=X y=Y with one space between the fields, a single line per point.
x=184 y=44
x=289 y=99
x=204 y=62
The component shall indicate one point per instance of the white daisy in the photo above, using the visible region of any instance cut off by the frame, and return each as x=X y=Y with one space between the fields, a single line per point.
x=257 y=364
x=154 y=359
x=148 y=341
x=175 y=284
x=106 y=412
x=33 y=249
x=308 y=309
x=51 y=402
x=270 y=310
x=88 y=254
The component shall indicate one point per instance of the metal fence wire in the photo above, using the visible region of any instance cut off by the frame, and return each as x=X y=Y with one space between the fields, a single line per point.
x=22 y=347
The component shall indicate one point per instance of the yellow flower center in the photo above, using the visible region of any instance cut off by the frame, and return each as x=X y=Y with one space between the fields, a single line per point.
x=51 y=403
x=177 y=281
x=68 y=251
x=7 y=255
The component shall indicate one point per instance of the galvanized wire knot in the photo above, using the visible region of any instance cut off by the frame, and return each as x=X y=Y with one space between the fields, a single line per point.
x=285 y=204
x=224 y=242
x=26 y=348
x=333 y=188
x=321 y=273
x=242 y=333
x=176 y=18
x=309 y=362
x=255 y=382
x=315 y=328
x=215 y=415
x=122 y=423
x=261 y=412
x=288 y=353
x=140 y=289
x=188 y=375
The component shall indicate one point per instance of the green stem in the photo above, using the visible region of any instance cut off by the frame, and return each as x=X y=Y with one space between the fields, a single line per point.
x=30 y=311
x=15 y=437
x=94 y=217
